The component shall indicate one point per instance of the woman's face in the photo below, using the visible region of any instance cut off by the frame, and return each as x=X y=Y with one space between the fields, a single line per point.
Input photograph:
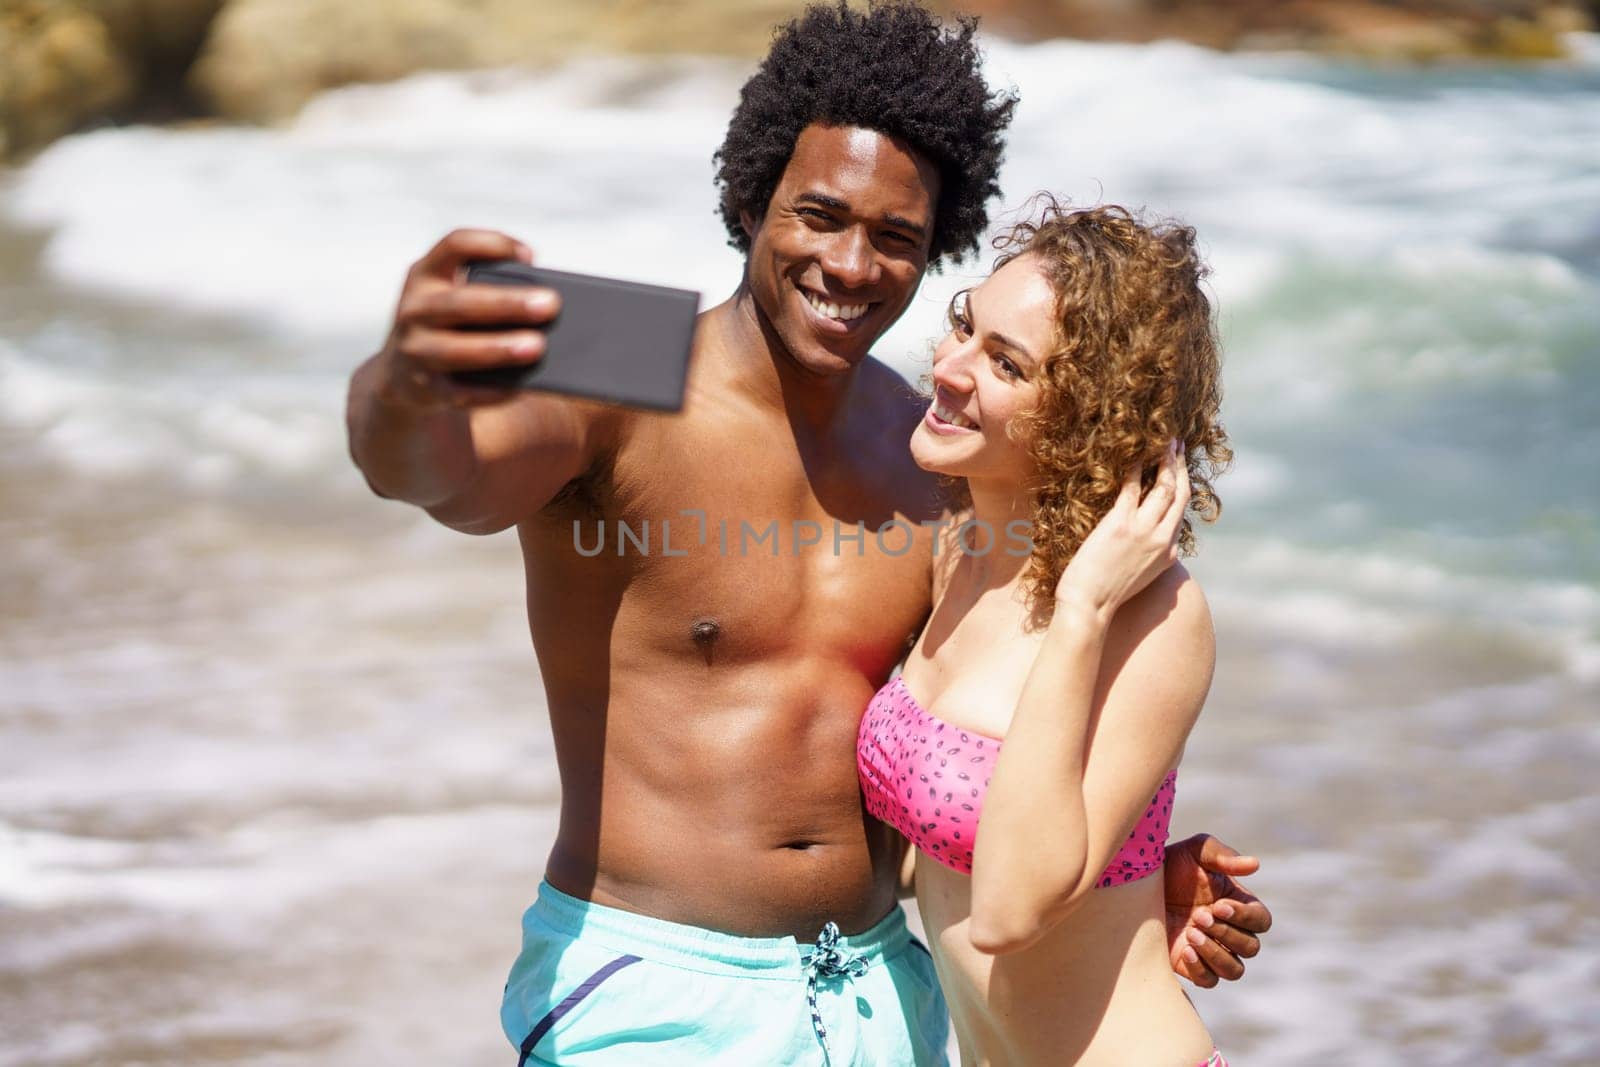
x=985 y=372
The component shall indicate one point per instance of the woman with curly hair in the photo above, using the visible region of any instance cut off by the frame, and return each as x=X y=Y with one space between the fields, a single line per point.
x=1051 y=694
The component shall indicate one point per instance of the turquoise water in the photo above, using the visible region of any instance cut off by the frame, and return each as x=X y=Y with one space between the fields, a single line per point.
x=1451 y=410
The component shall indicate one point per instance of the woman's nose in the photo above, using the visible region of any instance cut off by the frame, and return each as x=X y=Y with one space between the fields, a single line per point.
x=952 y=367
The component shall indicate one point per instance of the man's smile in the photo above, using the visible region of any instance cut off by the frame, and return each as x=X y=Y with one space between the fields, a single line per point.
x=837 y=315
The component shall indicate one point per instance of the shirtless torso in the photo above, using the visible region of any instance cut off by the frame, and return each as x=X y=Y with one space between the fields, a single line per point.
x=706 y=667
x=705 y=705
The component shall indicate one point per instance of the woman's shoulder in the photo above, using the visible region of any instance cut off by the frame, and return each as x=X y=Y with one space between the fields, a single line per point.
x=1171 y=610
x=1160 y=651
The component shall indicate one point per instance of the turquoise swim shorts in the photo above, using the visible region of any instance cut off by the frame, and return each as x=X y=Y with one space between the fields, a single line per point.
x=599 y=987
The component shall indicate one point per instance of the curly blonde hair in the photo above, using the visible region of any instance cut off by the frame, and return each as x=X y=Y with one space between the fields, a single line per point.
x=1136 y=364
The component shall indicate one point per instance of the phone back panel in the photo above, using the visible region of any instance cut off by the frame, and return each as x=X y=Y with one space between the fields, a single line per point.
x=620 y=342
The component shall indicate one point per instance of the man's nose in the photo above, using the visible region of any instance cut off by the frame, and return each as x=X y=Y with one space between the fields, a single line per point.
x=851 y=260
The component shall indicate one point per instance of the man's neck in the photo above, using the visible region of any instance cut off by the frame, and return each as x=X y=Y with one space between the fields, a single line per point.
x=758 y=364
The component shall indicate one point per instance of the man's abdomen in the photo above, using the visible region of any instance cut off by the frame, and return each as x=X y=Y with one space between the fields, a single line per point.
x=726 y=801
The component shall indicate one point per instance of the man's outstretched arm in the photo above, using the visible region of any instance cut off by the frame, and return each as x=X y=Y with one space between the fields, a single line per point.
x=477 y=459
x=1213 y=922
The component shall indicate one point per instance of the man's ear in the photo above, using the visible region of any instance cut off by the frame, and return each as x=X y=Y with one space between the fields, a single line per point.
x=749 y=224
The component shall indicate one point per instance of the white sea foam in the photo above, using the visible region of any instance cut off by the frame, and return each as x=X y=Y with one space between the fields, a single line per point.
x=310 y=227
x=604 y=168
x=268 y=426
x=1345 y=597
x=1584 y=48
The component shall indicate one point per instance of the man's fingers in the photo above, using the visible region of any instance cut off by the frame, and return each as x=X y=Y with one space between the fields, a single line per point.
x=1239 y=942
x=444 y=351
x=1233 y=865
x=459 y=246
x=1221 y=858
x=1220 y=961
x=1188 y=964
x=479 y=305
x=1245 y=912
x=1237 y=905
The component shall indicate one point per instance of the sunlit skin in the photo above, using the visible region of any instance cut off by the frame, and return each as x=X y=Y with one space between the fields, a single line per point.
x=703 y=706
x=986 y=376
x=1107 y=957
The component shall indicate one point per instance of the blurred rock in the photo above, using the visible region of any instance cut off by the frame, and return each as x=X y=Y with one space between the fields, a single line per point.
x=64 y=64
x=58 y=67
x=1409 y=30
x=267 y=57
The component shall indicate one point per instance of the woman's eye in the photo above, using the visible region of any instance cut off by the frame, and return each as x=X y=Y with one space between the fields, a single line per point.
x=1007 y=368
x=959 y=323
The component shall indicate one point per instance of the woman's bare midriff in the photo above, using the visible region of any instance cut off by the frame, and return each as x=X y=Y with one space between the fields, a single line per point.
x=1098 y=984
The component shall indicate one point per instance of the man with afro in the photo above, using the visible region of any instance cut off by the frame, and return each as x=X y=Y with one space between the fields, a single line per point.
x=715 y=894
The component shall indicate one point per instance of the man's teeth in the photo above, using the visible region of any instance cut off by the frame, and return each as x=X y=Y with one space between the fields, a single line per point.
x=952 y=417
x=843 y=312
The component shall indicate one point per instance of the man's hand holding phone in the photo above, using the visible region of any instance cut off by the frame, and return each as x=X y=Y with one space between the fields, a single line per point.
x=444 y=326
x=477 y=320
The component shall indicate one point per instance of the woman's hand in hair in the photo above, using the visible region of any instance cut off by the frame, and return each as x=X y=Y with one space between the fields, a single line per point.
x=1133 y=543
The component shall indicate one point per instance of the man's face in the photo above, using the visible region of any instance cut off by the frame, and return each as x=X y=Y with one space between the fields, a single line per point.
x=843 y=244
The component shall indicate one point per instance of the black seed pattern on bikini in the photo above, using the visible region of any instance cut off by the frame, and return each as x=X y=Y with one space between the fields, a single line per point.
x=895 y=731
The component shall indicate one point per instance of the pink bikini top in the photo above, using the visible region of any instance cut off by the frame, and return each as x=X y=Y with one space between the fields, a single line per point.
x=927 y=778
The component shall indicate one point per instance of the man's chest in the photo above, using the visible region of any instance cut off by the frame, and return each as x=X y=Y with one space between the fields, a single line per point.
x=738 y=532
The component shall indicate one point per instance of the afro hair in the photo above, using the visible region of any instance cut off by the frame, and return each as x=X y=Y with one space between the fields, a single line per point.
x=893 y=68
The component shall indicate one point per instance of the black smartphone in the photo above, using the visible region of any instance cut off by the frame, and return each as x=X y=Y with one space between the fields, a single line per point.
x=620 y=342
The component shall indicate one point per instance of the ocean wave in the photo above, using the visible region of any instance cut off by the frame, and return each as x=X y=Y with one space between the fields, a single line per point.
x=1366 y=598
x=181 y=431
x=605 y=165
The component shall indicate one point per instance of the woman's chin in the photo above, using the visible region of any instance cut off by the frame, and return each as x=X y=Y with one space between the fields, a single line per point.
x=926 y=454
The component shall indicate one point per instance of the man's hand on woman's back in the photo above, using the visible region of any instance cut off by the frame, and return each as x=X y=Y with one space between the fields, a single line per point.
x=1213 y=922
